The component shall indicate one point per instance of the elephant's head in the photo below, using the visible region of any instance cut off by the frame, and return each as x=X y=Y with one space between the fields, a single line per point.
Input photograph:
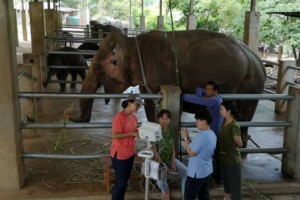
x=108 y=69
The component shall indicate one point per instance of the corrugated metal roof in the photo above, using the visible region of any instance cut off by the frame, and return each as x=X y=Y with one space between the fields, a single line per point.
x=288 y=14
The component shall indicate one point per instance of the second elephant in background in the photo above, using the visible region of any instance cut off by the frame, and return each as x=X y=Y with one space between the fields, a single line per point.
x=70 y=64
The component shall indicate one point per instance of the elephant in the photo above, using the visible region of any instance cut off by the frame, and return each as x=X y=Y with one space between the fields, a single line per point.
x=64 y=35
x=107 y=28
x=187 y=59
x=68 y=60
x=88 y=46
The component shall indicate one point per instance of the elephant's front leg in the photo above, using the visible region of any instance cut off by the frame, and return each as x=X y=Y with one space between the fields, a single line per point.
x=74 y=78
x=150 y=110
x=49 y=74
x=62 y=76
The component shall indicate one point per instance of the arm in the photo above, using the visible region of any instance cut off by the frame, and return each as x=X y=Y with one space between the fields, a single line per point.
x=188 y=149
x=185 y=134
x=200 y=92
x=238 y=141
x=236 y=132
x=209 y=102
x=173 y=166
x=156 y=155
x=118 y=135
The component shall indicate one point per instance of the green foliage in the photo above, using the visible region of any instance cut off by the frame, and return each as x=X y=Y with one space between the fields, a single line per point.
x=226 y=16
x=278 y=29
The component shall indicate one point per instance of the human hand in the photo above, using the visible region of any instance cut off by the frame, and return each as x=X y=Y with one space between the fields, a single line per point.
x=184 y=132
x=173 y=168
x=135 y=134
x=199 y=92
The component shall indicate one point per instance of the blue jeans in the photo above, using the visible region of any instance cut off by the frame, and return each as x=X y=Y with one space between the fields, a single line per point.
x=180 y=169
x=122 y=171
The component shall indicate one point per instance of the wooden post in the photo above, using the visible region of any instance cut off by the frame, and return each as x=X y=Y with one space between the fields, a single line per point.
x=12 y=174
x=160 y=18
x=142 y=18
x=35 y=61
x=285 y=75
x=171 y=101
x=291 y=160
x=36 y=12
x=191 y=23
x=49 y=20
x=15 y=26
x=251 y=28
x=26 y=84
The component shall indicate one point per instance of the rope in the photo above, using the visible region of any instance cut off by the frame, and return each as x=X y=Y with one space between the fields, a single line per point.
x=174 y=45
x=156 y=102
x=142 y=66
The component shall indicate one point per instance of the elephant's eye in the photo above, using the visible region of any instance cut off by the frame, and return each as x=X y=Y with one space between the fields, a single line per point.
x=114 y=61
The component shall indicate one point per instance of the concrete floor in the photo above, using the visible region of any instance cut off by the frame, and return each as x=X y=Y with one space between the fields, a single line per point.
x=261 y=173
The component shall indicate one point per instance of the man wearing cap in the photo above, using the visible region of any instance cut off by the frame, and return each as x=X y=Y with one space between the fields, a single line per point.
x=122 y=150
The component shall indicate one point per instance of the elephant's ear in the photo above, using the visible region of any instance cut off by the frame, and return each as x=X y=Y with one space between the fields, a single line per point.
x=111 y=67
x=119 y=54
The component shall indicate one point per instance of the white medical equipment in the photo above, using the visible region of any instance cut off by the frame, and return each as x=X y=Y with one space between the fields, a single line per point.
x=151 y=132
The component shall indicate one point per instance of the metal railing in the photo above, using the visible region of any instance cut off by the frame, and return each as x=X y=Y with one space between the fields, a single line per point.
x=144 y=96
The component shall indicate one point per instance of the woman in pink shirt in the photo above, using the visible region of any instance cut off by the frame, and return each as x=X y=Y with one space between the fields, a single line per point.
x=122 y=150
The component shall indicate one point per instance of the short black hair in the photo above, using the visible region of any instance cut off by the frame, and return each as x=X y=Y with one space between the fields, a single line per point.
x=214 y=84
x=204 y=115
x=125 y=103
x=230 y=105
x=163 y=112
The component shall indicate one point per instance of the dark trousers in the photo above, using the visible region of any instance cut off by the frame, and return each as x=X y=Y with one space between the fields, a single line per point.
x=217 y=174
x=232 y=180
x=122 y=172
x=196 y=187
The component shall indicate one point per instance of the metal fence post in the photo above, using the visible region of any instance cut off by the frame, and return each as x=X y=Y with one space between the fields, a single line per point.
x=285 y=76
x=291 y=160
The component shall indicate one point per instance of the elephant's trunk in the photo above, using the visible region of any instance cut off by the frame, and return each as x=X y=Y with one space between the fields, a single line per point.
x=86 y=111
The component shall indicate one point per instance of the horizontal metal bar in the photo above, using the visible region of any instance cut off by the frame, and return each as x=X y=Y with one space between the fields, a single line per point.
x=269 y=91
x=58 y=81
x=256 y=150
x=74 y=39
x=97 y=156
x=272 y=78
x=249 y=124
x=73 y=26
x=292 y=83
x=65 y=125
x=109 y=125
x=64 y=156
x=151 y=96
x=264 y=150
x=257 y=96
x=84 y=96
x=71 y=31
x=66 y=67
x=270 y=62
x=293 y=67
x=73 y=52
